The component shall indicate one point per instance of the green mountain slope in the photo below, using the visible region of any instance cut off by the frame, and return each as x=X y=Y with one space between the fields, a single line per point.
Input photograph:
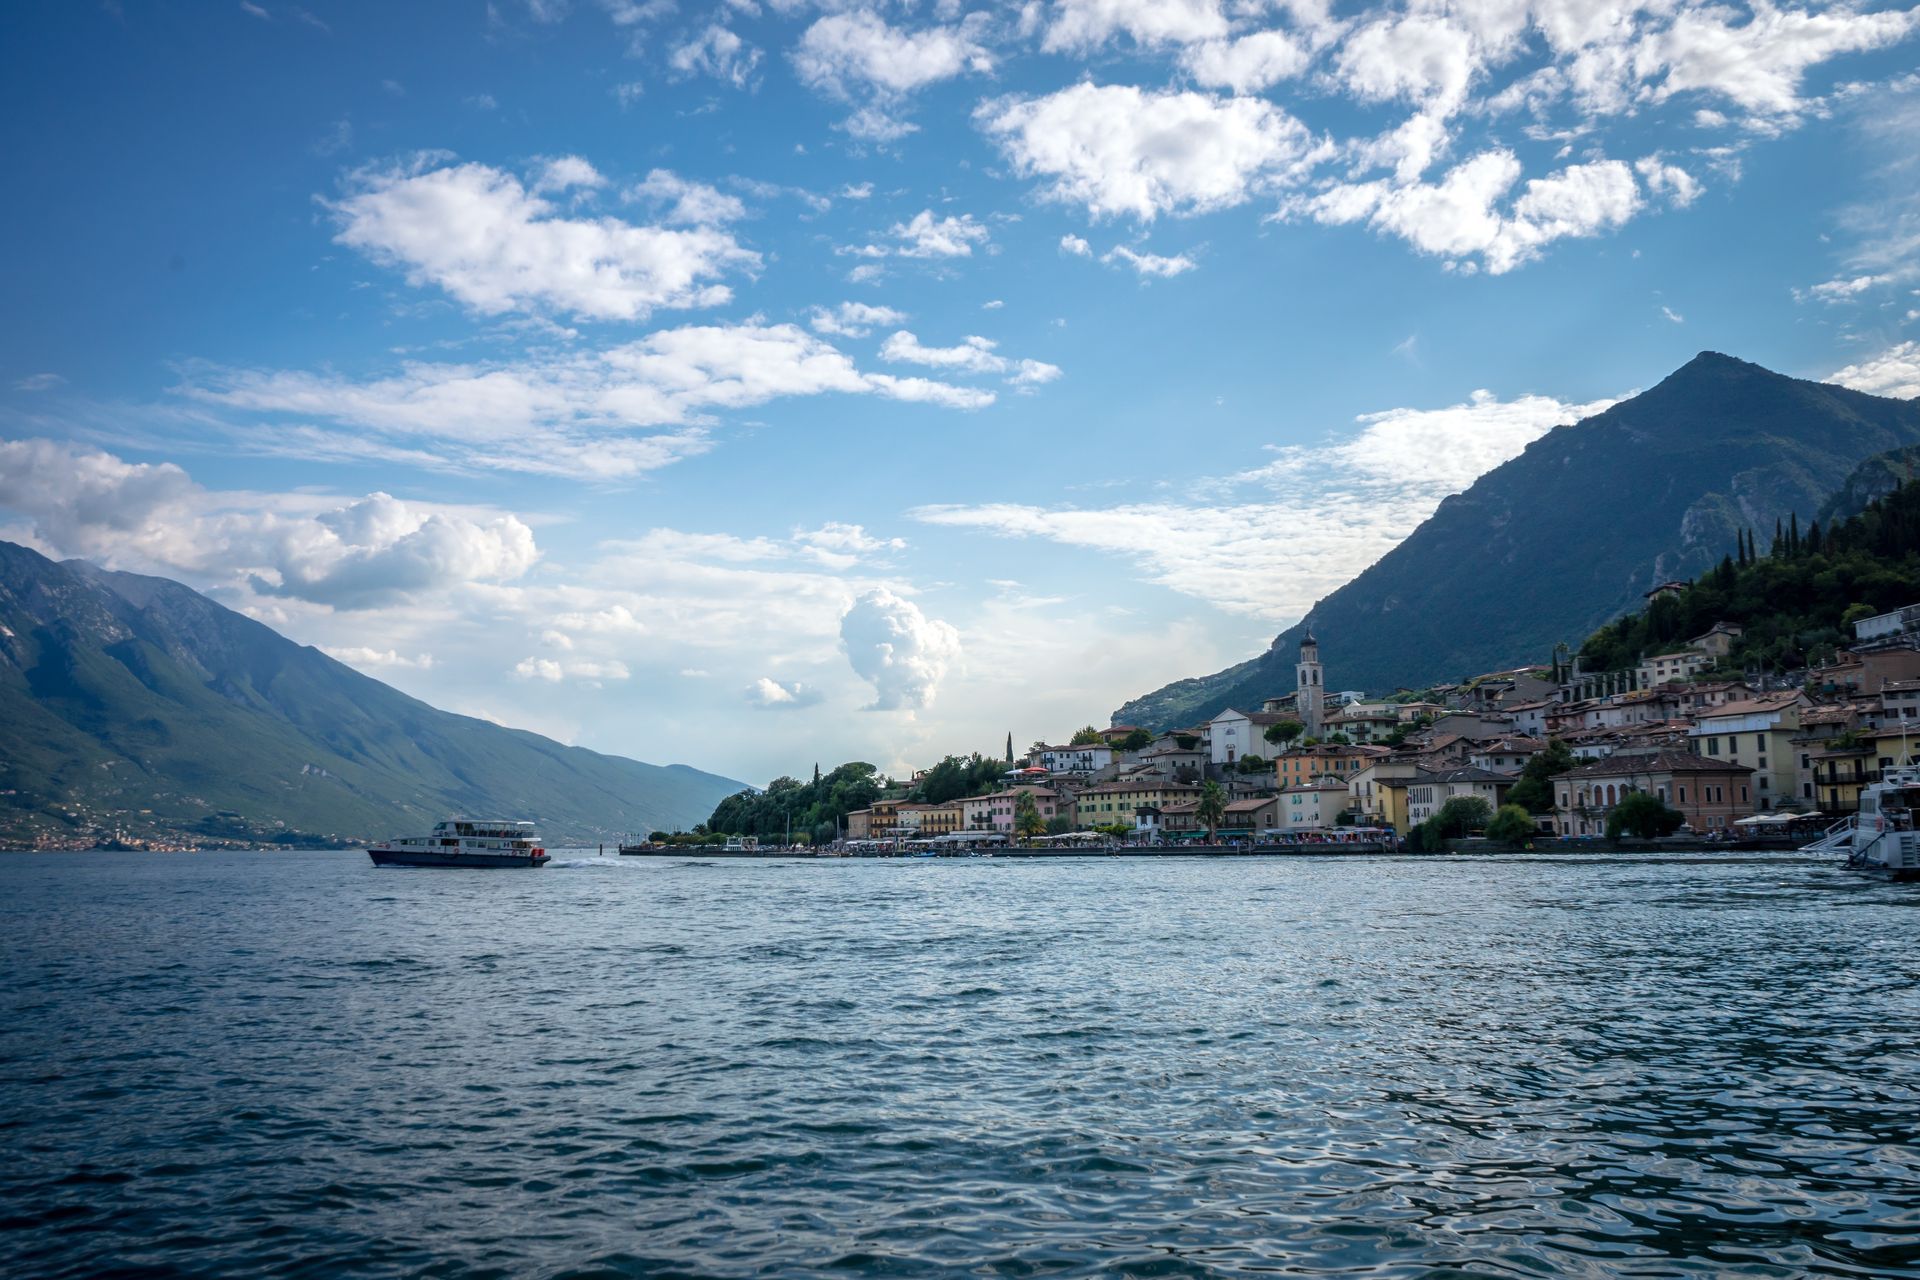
x=1795 y=600
x=1550 y=545
x=135 y=706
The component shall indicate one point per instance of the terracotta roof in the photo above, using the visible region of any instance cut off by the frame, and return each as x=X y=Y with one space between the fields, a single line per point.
x=1248 y=806
x=1751 y=706
x=1654 y=762
x=1467 y=774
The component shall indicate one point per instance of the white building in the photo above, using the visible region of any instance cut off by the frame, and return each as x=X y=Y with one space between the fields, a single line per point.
x=1088 y=757
x=1312 y=806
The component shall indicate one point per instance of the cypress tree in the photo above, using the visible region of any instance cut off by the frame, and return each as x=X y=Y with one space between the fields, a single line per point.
x=1813 y=539
x=1779 y=546
x=1009 y=746
x=1793 y=535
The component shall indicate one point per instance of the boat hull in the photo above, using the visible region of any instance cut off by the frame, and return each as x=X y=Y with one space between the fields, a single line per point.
x=456 y=858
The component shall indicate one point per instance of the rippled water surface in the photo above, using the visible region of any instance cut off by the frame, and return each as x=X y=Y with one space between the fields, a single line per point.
x=296 y=1063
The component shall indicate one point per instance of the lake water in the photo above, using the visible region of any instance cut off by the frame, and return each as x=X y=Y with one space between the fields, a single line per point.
x=234 y=1064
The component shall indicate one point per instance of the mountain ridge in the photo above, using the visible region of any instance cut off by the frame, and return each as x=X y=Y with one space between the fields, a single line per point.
x=1502 y=572
x=134 y=707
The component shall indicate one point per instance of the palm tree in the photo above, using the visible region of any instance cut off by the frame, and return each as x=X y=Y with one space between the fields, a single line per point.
x=1212 y=808
x=1026 y=816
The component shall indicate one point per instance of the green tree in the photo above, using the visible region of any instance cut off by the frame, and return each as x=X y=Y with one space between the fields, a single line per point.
x=1026 y=816
x=1212 y=808
x=1534 y=791
x=1252 y=764
x=1510 y=824
x=1138 y=740
x=1059 y=826
x=1116 y=830
x=1086 y=737
x=1459 y=816
x=1644 y=816
x=1281 y=732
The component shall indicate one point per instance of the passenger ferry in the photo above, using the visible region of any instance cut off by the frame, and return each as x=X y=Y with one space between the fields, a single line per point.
x=458 y=842
x=1883 y=838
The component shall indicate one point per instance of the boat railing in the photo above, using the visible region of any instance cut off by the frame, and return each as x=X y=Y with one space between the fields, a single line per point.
x=1835 y=837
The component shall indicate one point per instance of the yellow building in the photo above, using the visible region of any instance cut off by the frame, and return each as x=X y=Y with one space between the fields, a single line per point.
x=1301 y=765
x=1114 y=802
x=1378 y=793
x=1757 y=732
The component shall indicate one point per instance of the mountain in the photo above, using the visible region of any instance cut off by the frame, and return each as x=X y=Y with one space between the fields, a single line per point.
x=1553 y=543
x=1872 y=480
x=135 y=707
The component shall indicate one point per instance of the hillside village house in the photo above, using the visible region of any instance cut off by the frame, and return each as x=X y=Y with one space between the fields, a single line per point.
x=1377 y=794
x=1254 y=819
x=1364 y=722
x=1085 y=758
x=1505 y=755
x=1120 y=802
x=995 y=812
x=1312 y=806
x=1335 y=760
x=1757 y=732
x=1658 y=670
x=1710 y=794
x=1427 y=793
x=1233 y=734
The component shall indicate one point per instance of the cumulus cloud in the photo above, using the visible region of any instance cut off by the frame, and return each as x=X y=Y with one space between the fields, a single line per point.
x=1085 y=25
x=360 y=554
x=1894 y=372
x=719 y=53
x=845 y=53
x=1331 y=510
x=897 y=649
x=929 y=237
x=686 y=202
x=1149 y=264
x=554 y=672
x=564 y=173
x=620 y=411
x=1460 y=217
x=1247 y=65
x=39 y=382
x=479 y=234
x=1076 y=246
x=775 y=695
x=853 y=319
x=1116 y=149
x=974 y=354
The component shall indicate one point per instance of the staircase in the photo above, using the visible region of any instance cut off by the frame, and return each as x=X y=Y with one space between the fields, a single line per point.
x=1837 y=838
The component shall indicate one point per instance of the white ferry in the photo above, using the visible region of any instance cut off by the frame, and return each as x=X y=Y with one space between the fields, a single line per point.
x=459 y=842
x=1881 y=838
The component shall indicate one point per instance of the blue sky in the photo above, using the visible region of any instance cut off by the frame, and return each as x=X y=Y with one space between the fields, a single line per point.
x=750 y=383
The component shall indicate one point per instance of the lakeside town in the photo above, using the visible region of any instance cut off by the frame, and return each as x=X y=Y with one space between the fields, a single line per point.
x=1724 y=752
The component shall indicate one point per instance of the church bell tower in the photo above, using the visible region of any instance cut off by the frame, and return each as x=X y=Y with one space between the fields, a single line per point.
x=1309 y=697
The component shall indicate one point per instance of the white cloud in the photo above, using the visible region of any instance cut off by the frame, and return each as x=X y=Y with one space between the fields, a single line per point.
x=856 y=191
x=853 y=319
x=1333 y=510
x=1844 y=290
x=1426 y=60
x=1116 y=149
x=897 y=649
x=846 y=52
x=1673 y=315
x=1076 y=246
x=775 y=695
x=1758 y=63
x=566 y=414
x=359 y=554
x=477 y=233
x=687 y=202
x=628 y=93
x=361 y=656
x=1246 y=65
x=973 y=355
x=565 y=172
x=1149 y=264
x=929 y=237
x=1085 y=25
x=719 y=53
x=1894 y=372
x=1459 y=217
x=39 y=382
x=553 y=672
